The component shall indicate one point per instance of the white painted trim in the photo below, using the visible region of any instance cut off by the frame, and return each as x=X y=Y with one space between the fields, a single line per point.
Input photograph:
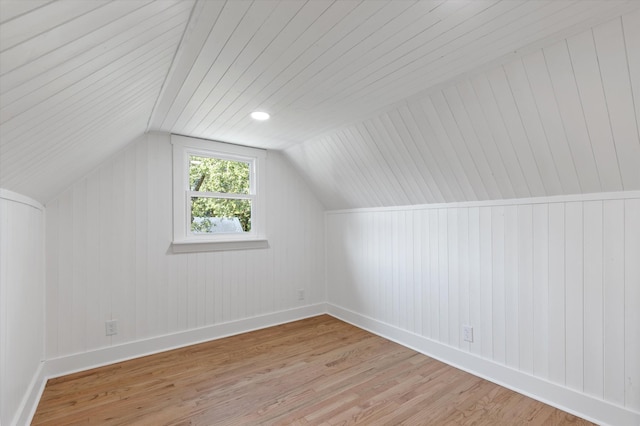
x=110 y=355
x=624 y=195
x=62 y=366
x=184 y=146
x=19 y=198
x=202 y=246
x=30 y=401
x=592 y=409
x=582 y=405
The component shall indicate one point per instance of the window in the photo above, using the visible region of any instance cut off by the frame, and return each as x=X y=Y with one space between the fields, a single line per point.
x=218 y=196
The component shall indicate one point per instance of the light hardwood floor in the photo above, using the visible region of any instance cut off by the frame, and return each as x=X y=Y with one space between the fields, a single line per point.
x=315 y=371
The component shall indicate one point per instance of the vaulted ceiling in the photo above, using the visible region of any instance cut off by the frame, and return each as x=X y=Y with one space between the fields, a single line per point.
x=559 y=120
x=375 y=102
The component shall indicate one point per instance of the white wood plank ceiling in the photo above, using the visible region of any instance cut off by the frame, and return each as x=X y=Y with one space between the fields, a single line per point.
x=80 y=79
x=559 y=120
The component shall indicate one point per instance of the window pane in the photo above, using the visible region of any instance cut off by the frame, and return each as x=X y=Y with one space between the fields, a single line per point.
x=217 y=175
x=220 y=215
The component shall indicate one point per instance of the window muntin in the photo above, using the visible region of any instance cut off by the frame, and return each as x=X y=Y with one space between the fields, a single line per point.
x=218 y=194
x=221 y=194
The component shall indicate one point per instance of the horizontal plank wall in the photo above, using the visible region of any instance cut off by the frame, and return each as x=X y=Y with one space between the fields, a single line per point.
x=109 y=257
x=550 y=286
x=21 y=305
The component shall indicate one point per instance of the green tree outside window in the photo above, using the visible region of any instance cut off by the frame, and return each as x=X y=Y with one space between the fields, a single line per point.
x=209 y=174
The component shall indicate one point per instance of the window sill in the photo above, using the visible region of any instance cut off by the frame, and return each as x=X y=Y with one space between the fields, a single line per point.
x=203 y=246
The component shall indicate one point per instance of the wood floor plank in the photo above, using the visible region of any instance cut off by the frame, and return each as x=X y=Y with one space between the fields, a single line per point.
x=317 y=371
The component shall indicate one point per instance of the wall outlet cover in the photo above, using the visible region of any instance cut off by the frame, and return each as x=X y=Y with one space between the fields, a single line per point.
x=467 y=333
x=111 y=327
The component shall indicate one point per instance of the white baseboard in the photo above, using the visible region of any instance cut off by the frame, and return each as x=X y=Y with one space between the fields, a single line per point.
x=31 y=398
x=582 y=405
x=110 y=355
x=592 y=409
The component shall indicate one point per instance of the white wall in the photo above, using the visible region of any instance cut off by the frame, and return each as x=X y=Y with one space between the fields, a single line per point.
x=21 y=301
x=109 y=256
x=550 y=286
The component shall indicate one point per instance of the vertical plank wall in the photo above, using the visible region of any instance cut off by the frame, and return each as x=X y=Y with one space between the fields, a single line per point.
x=21 y=300
x=109 y=257
x=551 y=287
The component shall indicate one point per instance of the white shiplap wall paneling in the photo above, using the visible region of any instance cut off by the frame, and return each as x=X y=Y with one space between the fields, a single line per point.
x=460 y=119
x=15 y=9
x=420 y=172
x=410 y=54
x=22 y=294
x=555 y=18
x=451 y=136
x=540 y=252
x=474 y=279
x=631 y=29
x=118 y=74
x=419 y=130
x=480 y=128
x=485 y=299
x=453 y=302
x=379 y=29
x=463 y=271
x=498 y=289
x=503 y=93
x=442 y=301
x=557 y=294
x=352 y=143
x=335 y=60
x=351 y=22
x=631 y=303
x=58 y=69
x=511 y=254
x=593 y=298
x=615 y=71
x=534 y=135
x=554 y=130
x=560 y=69
x=108 y=241
x=81 y=52
x=74 y=74
x=388 y=157
x=236 y=21
x=434 y=311
x=559 y=120
x=105 y=71
x=430 y=113
x=484 y=93
x=586 y=69
x=550 y=288
x=46 y=20
x=414 y=184
x=426 y=164
x=574 y=291
x=296 y=59
x=614 y=256
x=197 y=31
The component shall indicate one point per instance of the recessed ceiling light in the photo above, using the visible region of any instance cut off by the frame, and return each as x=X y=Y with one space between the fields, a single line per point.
x=259 y=115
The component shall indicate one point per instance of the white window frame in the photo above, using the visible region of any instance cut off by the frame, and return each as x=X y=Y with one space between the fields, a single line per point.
x=186 y=241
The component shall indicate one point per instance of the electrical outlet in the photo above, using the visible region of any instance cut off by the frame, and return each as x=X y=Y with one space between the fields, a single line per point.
x=467 y=333
x=111 y=327
x=301 y=294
